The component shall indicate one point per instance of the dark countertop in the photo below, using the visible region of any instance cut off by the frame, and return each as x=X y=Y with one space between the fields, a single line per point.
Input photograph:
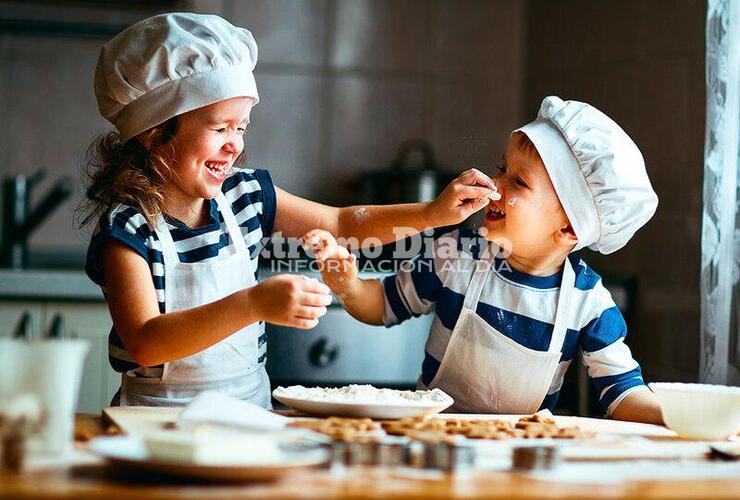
x=48 y=284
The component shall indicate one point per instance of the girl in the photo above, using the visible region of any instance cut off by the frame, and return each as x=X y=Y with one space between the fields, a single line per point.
x=176 y=246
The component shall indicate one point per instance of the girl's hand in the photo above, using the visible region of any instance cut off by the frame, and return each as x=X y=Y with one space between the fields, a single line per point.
x=338 y=266
x=464 y=196
x=291 y=300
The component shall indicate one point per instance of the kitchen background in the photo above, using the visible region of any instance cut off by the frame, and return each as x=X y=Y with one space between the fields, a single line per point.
x=343 y=82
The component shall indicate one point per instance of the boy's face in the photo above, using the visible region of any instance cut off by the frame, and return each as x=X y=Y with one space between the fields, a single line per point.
x=528 y=221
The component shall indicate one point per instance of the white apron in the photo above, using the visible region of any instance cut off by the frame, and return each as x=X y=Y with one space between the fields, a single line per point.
x=486 y=371
x=229 y=366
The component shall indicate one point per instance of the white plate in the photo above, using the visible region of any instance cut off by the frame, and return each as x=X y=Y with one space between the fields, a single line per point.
x=130 y=453
x=359 y=410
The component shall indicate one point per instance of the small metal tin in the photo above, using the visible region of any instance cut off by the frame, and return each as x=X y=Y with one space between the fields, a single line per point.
x=447 y=456
x=529 y=458
x=385 y=451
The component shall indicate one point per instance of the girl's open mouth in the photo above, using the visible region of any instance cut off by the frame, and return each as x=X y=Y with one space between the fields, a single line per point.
x=217 y=169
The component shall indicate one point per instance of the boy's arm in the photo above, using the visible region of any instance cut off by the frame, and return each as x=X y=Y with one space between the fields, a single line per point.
x=640 y=405
x=615 y=374
x=377 y=302
x=364 y=300
x=464 y=196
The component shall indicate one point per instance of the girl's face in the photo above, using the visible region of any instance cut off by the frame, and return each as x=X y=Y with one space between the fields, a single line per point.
x=207 y=142
x=528 y=219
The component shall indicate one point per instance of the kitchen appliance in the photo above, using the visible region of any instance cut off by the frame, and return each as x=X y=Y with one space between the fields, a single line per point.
x=413 y=175
x=341 y=350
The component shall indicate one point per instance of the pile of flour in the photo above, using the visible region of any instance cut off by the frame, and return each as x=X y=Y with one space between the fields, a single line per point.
x=364 y=394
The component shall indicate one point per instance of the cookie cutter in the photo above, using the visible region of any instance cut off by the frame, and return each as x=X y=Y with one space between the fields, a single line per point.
x=379 y=451
x=447 y=456
x=535 y=458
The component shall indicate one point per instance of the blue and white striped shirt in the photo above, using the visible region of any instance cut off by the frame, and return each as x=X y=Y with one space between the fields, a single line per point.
x=520 y=306
x=252 y=197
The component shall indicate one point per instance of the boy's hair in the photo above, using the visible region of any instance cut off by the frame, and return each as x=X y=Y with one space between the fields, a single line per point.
x=131 y=173
x=525 y=145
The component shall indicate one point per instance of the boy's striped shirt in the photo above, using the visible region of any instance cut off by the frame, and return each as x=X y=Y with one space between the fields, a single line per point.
x=520 y=306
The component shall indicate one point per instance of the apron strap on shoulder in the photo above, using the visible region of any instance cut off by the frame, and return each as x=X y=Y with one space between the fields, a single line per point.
x=478 y=280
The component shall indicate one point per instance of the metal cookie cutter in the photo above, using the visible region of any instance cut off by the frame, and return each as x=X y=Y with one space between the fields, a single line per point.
x=385 y=451
x=531 y=458
x=447 y=456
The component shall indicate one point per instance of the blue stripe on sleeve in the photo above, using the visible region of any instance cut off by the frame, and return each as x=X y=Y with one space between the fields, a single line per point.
x=269 y=201
x=604 y=330
x=615 y=391
x=158 y=282
x=115 y=339
x=600 y=383
x=429 y=368
x=120 y=365
x=395 y=300
x=425 y=279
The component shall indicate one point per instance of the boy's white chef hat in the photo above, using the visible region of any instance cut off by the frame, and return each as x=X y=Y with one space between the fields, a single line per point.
x=169 y=64
x=597 y=171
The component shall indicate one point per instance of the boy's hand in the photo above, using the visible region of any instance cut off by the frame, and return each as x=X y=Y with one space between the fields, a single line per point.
x=338 y=266
x=291 y=300
x=464 y=196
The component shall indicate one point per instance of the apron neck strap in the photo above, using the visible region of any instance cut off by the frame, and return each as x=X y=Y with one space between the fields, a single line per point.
x=169 y=253
x=231 y=225
x=482 y=267
x=562 y=314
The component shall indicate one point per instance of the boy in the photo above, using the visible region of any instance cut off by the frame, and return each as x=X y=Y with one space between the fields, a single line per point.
x=507 y=326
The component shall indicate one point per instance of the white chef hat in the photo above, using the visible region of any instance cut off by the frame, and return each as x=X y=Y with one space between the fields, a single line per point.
x=597 y=171
x=169 y=64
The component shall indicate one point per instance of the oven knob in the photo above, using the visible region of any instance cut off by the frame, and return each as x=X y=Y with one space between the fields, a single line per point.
x=323 y=352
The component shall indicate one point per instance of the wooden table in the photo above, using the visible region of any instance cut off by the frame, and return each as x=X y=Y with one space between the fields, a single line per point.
x=96 y=481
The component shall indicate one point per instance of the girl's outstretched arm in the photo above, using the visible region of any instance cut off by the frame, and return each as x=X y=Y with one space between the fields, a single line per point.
x=464 y=196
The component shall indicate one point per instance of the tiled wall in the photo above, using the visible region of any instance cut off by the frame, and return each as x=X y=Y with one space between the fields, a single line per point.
x=48 y=113
x=342 y=83
x=643 y=64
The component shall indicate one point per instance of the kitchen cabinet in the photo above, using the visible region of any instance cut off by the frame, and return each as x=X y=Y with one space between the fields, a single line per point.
x=82 y=320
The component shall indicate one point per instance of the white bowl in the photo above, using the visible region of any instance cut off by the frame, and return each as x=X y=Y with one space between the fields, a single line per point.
x=699 y=411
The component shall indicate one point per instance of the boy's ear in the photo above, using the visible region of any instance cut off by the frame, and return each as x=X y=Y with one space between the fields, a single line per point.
x=567 y=236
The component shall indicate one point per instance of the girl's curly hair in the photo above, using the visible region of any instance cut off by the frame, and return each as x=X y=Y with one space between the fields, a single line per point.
x=132 y=173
